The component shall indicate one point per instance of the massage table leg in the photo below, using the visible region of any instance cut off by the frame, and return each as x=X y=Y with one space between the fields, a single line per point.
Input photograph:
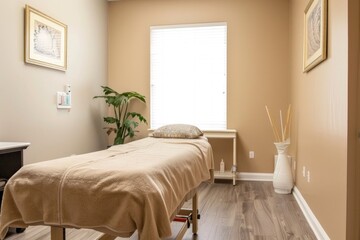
x=195 y=214
x=188 y=216
x=57 y=233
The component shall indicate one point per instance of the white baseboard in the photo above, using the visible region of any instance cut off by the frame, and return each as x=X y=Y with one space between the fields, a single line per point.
x=310 y=217
x=246 y=176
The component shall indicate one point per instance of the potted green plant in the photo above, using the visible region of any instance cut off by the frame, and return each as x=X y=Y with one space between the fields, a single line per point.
x=125 y=122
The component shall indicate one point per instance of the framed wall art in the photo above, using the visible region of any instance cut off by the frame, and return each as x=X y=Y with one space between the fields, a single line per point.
x=45 y=40
x=315 y=34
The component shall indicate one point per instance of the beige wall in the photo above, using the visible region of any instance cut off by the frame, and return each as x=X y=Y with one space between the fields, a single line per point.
x=258 y=62
x=28 y=93
x=353 y=186
x=357 y=166
x=320 y=99
x=353 y=229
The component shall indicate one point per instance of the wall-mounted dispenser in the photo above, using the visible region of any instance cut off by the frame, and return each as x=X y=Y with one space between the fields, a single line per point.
x=64 y=98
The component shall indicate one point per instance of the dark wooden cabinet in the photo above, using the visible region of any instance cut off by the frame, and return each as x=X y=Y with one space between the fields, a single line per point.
x=11 y=159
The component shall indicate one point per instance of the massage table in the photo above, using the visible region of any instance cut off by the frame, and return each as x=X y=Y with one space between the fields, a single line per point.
x=138 y=186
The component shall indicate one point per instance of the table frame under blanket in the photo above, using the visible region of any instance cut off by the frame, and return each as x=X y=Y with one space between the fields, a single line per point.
x=58 y=232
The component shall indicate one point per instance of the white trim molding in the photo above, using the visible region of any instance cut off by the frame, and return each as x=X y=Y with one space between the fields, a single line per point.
x=247 y=176
x=309 y=215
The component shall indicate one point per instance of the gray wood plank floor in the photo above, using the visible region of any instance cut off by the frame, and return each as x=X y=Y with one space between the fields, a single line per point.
x=249 y=210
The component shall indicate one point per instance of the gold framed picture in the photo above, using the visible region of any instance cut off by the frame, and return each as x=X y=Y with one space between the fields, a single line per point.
x=315 y=34
x=45 y=40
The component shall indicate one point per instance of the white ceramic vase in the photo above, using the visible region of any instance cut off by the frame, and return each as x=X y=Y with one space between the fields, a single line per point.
x=283 y=179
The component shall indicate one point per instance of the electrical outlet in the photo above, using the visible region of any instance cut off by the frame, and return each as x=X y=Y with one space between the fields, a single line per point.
x=251 y=154
x=304 y=171
x=308 y=176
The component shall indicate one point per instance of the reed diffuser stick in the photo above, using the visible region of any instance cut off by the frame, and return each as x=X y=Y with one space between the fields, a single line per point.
x=282 y=128
x=288 y=118
x=276 y=135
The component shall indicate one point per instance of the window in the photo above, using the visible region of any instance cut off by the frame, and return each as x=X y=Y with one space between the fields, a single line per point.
x=188 y=75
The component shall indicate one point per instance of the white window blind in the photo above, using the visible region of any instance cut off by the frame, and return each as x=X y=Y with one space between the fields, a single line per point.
x=188 y=75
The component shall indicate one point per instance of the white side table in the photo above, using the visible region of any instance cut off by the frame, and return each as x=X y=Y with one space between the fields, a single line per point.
x=225 y=134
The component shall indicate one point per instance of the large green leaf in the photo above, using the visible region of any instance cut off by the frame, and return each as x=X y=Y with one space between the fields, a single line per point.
x=132 y=95
x=138 y=115
x=130 y=124
x=110 y=120
x=108 y=90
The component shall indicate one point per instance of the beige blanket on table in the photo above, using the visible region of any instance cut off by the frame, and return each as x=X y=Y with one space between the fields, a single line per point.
x=136 y=186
